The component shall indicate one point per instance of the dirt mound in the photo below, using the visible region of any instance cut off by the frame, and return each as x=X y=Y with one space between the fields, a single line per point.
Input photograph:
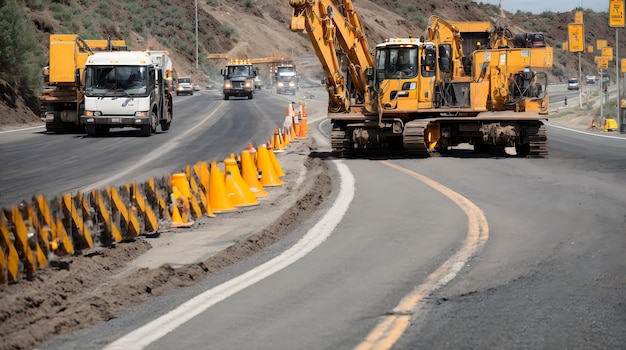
x=17 y=107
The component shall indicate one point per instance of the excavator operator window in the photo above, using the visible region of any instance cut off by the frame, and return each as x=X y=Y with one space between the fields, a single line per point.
x=396 y=62
x=429 y=61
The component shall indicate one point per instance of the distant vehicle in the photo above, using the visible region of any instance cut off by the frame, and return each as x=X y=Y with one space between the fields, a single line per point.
x=572 y=84
x=184 y=86
x=590 y=79
x=196 y=87
x=258 y=83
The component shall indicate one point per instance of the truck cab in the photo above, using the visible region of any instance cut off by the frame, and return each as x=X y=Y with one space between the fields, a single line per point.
x=125 y=89
x=239 y=79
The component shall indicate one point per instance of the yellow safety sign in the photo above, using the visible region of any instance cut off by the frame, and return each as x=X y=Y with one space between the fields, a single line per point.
x=616 y=13
x=578 y=17
x=576 y=37
x=607 y=52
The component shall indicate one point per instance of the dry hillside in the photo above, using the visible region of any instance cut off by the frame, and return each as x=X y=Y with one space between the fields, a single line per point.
x=260 y=28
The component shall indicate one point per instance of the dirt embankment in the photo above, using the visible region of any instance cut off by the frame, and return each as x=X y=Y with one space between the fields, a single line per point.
x=75 y=292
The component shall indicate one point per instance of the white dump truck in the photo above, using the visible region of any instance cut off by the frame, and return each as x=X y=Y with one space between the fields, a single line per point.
x=127 y=89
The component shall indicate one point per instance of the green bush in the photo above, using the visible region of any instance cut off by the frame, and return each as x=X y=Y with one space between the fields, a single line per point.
x=227 y=30
x=20 y=56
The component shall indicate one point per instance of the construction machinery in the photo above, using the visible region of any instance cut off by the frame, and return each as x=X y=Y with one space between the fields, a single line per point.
x=127 y=89
x=239 y=77
x=460 y=82
x=61 y=99
x=286 y=79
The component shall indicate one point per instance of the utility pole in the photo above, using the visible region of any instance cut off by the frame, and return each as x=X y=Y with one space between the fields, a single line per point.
x=196 y=35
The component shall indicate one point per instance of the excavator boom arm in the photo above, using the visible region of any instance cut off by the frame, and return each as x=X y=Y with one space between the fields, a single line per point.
x=328 y=27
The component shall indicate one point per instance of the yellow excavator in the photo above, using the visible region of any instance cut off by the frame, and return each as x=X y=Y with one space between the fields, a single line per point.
x=460 y=82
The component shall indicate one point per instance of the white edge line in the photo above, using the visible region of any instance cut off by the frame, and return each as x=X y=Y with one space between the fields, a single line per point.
x=585 y=132
x=22 y=129
x=152 y=331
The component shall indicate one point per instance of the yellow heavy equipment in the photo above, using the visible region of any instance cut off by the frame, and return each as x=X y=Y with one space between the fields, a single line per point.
x=460 y=82
x=61 y=99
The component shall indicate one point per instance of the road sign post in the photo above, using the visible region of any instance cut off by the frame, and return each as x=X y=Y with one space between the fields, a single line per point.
x=616 y=20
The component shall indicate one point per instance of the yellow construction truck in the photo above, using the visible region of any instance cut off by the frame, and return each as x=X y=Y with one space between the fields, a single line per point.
x=61 y=99
x=460 y=82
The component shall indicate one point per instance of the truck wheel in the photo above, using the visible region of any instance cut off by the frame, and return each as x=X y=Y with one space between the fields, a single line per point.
x=165 y=126
x=146 y=130
x=226 y=97
x=102 y=130
x=251 y=96
x=91 y=129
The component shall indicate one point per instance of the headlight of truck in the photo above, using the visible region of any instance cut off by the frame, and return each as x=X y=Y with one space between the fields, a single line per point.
x=227 y=85
x=141 y=114
x=93 y=113
x=292 y=84
x=280 y=84
x=248 y=84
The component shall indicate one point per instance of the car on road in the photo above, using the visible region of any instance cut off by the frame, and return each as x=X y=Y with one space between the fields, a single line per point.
x=196 y=87
x=185 y=87
x=258 y=83
x=572 y=84
x=590 y=79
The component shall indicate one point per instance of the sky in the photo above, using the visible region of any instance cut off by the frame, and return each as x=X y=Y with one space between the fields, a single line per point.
x=539 y=6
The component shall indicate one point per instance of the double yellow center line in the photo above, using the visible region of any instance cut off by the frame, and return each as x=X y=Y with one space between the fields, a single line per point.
x=392 y=326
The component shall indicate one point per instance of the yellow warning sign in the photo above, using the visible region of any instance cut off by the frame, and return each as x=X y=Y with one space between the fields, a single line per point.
x=607 y=52
x=616 y=13
x=603 y=63
x=578 y=17
x=576 y=37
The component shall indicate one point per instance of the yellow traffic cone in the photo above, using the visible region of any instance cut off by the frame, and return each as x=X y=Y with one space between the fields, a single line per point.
x=179 y=181
x=264 y=164
x=219 y=200
x=177 y=220
x=237 y=188
x=250 y=175
x=277 y=169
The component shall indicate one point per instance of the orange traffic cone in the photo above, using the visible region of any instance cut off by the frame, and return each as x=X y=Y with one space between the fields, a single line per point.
x=277 y=169
x=277 y=145
x=237 y=188
x=219 y=200
x=177 y=220
x=251 y=175
x=300 y=132
x=264 y=164
x=304 y=118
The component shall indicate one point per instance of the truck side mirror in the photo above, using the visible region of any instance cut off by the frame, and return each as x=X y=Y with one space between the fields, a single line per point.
x=223 y=72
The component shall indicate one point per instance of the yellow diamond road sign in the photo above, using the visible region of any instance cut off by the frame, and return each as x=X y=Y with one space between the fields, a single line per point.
x=616 y=13
x=576 y=37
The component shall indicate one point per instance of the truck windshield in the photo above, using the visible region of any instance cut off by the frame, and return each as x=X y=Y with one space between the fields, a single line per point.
x=111 y=80
x=240 y=71
x=396 y=62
